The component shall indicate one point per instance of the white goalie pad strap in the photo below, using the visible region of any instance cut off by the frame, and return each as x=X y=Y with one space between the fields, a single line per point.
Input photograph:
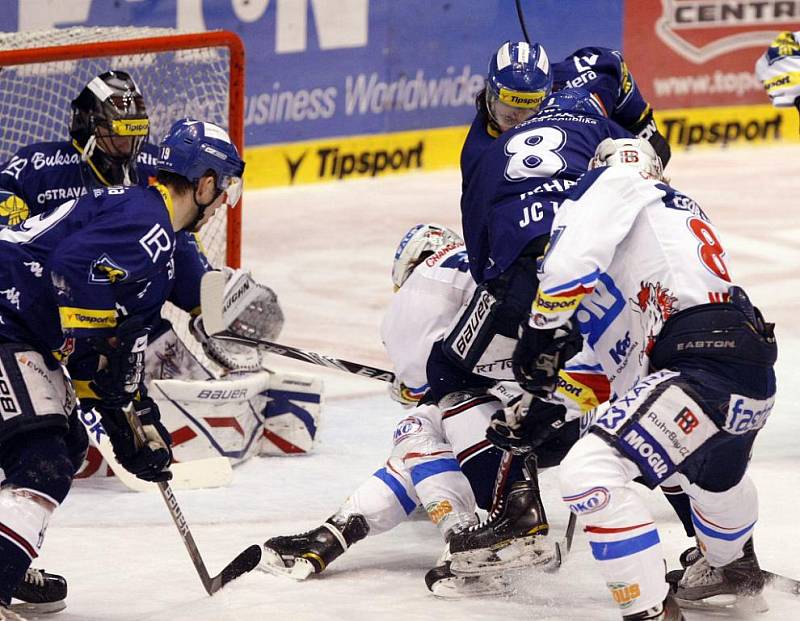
x=292 y=414
x=214 y=417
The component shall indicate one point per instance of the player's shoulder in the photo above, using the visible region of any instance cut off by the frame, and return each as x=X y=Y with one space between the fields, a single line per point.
x=445 y=264
x=134 y=206
x=47 y=155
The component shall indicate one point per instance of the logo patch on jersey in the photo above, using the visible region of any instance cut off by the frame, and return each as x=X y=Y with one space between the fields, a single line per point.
x=406 y=427
x=588 y=502
x=105 y=270
x=623 y=593
x=655 y=304
x=438 y=510
x=13 y=209
x=746 y=414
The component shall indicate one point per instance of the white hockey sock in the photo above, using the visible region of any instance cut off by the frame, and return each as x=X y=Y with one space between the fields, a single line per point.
x=24 y=515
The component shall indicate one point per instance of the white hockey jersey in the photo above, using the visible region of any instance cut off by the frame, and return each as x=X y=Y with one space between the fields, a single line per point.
x=421 y=312
x=778 y=69
x=625 y=254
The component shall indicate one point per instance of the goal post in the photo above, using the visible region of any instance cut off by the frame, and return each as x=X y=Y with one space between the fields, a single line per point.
x=180 y=74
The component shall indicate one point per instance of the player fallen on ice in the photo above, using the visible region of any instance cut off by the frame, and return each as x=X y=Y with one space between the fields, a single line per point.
x=636 y=270
x=95 y=270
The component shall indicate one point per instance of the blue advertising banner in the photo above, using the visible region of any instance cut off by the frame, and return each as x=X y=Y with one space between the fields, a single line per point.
x=333 y=68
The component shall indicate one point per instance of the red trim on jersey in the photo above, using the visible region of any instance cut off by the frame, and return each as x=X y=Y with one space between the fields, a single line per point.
x=475 y=401
x=472 y=450
x=599 y=530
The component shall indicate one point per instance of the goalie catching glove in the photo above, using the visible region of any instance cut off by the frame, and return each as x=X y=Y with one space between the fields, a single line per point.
x=249 y=310
x=117 y=384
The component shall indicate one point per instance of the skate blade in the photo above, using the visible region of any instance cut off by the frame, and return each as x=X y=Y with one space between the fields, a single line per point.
x=727 y=602
x=44 y=608
x=518 y=554
x=272 y=563
x=465 y=587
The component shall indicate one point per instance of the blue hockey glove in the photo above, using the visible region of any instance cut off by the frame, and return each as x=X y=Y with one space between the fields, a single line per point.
x=540 y=354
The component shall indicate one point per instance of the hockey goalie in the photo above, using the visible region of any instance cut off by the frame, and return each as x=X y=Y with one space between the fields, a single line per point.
x=226 y=403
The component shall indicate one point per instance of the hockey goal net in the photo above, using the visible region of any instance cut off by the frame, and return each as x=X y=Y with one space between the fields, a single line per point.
x=199 y=75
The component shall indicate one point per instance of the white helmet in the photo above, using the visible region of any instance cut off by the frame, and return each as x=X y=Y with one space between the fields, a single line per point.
x=635 y=152
x=417 y=244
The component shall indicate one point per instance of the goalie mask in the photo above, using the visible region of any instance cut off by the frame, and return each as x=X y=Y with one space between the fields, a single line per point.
x=634 y=152
x=418 y=244
x=110 y=124
x=519 y=80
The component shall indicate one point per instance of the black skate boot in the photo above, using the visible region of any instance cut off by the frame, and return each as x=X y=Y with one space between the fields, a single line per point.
x=299 y=556
x=442 y=582
x=511 y=537
x=40 y=592
x=738 y=584
x=667 y=610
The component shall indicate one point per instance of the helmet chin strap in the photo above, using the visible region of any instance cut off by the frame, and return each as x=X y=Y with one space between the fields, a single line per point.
x=201 y=207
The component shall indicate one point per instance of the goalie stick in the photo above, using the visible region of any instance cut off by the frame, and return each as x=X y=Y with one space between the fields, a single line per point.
x=195 y=474
x=214 y=305
x=244 y=562
x=521 y=17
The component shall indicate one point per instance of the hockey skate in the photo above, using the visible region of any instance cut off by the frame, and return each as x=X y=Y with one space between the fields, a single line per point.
x=512 y=537
x=40 y=592
x=299 y=556
x=739 y=584
x=668 y=610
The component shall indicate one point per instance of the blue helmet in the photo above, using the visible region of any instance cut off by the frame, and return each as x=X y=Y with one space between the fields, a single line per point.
x=572 y=100
x=519 y=79
x=191 y=148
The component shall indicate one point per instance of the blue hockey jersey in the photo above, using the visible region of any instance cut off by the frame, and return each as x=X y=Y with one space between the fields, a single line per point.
x=71 y=273
x=42 y=176
x=599 y=70
x=520 y=182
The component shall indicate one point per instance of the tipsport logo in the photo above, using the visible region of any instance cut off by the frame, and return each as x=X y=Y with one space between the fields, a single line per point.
x=337 y=163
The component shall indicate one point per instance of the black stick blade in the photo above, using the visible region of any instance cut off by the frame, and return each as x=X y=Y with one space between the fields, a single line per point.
x=246 y=561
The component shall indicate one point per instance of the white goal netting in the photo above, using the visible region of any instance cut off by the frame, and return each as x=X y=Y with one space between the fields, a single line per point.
x=35 y=97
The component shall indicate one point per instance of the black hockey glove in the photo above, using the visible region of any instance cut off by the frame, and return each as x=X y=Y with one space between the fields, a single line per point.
x=525 y=424
x=149 y=460
x=122 y=362
x=646 y=128
x=541 y=353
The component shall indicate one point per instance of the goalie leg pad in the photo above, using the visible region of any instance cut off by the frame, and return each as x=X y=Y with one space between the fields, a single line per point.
x=292 y=415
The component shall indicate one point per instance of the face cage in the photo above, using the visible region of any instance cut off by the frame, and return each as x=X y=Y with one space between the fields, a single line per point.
x=505 y=116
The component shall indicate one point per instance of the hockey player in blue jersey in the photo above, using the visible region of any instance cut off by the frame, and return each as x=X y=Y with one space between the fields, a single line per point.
x=95 y=269
x=521 y=76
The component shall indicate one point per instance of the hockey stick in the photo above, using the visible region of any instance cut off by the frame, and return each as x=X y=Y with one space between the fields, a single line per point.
x=244 y=562
x=195 y=474
x=214 y=304
x=521 y=17
x=784 y=584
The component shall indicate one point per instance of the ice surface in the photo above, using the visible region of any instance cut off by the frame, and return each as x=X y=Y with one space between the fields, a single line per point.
x=327 y=251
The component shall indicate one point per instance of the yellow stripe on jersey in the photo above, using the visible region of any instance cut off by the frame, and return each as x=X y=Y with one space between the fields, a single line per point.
x=167 y=201
x=72 y=318
x=83 y=390
x=549 y=304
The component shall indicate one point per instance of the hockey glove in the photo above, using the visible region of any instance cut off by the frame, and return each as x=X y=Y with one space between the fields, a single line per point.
x=405 y=396
x=231 y=356
x=149 y=461
x=525 y=424
x=122 y=364
x=540 y=354
x=646 y=128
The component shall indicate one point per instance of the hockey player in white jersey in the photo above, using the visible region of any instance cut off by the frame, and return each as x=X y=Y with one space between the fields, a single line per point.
x=778 y=69
x=422 y=469
x=639 y=271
